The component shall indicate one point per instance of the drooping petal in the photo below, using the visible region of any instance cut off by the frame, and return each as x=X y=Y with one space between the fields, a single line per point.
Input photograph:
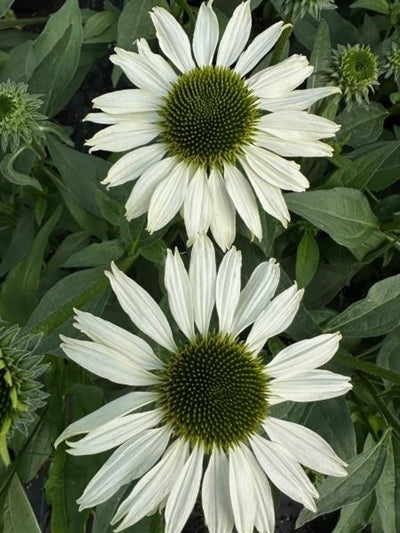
x=141 y=308
x=127 y=101
x=184 y=492
x=206 y=32
x=275 y=318
x=123 y=136
x=300 y=100
x=228 y=288
x=223 y=223
x=258 y=48
x=157 y=62
x=215 y=494
x=197 y=206
x=104 y=332
x=293 y=148
x=172 y=39
x=309 y=448
x=243 y=199
x=132 y=165
x=236 y=35
x=242 y=489
x=179 y=291
x=202 y=274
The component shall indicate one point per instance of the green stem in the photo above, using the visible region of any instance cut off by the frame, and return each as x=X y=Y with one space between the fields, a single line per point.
x=368 y=368
x=188 y=10
x=5 y=24
x=280 y=45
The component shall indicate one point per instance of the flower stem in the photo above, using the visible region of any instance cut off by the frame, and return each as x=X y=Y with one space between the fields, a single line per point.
x=368 y=368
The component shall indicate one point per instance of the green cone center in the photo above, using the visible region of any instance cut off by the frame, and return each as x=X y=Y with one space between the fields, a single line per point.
x=208 y=116
x=7 y=106
x=214 y=393
x=360 y=66
x=5 y=398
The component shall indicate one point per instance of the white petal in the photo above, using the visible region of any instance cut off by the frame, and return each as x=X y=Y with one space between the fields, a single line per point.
x=141 y=308
x=236 y=35
x=153 y=75
x=107 y=118
x=284 y=471
x=157 y=62
x=153 y=487
x=242 y=490
x=243 y=199
x=258 y=48
x=215 y=496
x=202 y=274
x=309 y=448
x=275 y=318
x=309 y=386
x=206 y=32
x=274 y=169
x=282 y=78
x=127 y=101
x=168 y=198
x=132 y=165
x=117 y=338
x=172 y=39
x=256 y=295
x=300 y=100
x=184 y=492
x=297 y=125
x=128 y=462
x=107 y=362
x=115 y=409
x=115 y=432
x=123 y=136
x=293 y=148
x=139 y=199
x=197 y=206
x=304 y=355
x=176 y=281
x=223 y=223
x=228 y=288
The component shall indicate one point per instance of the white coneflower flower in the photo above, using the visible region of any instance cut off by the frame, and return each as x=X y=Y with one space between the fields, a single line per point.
x=206 y=402
x=203 y=135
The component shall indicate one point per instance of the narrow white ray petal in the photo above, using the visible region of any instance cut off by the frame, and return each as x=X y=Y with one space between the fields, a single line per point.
x=115 y=432
x=107 y=362
x=123 y=136
x=242 y=490
x=274 y=169
x=139 y=199
x=127 y=101
x=215 y=494
x=130 y=461
x=223 y=223
x=300 y=100
x=293 y=148
x=132 y=165
x=202 y=274
x=309 y=448
x=184 y=492
x=265 y=511
x=206 y=32
x=258 y=48
x=236 y=35
x=243 y=199
x=141 y=308
x=108 y=334
x=284 y=471
x=228 y=288
x=269 y=196
x=297 y=126
x=172 y=39
x=168 y=197
x=107 y=118
x=309 y=386
x=153 y=487
x=256 y=295
x=115 y=409
x=281 y=79
x=152 y=74
x=176 y=281
x=304 y=355
x=197 y=206
x=275 y=318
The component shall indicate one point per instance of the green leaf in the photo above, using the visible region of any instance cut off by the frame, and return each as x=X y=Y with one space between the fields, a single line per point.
x=5 y=6
x=19 y=291
x=135 y=22
x=307 y=259
x=20 y=244
x=361 y=124
x=343 y=213
x=388 y=488
x=380 y=6
x=320 y=55
x=14 y=176
x=101 y=27
x=18 y=514
x=377 y=314
x=155 y=252
x=364 y=472
x=388 y=355
x=96 y=254
x=355 y=516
